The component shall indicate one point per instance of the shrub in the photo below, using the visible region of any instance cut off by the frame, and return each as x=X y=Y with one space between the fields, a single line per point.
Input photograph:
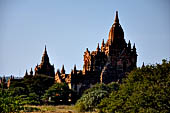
x=58 y=93
x=92 y=96
x=8 y=103
x=89 y=101
x=145 y=89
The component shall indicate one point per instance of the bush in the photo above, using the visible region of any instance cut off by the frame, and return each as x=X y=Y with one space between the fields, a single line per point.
x=31 y=89
x=9 y=103
x=92 y=96
x=144 y=90
x=58 y=93
x=89 y=101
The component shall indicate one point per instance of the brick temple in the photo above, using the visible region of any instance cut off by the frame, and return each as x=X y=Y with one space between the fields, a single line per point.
x=109 y=62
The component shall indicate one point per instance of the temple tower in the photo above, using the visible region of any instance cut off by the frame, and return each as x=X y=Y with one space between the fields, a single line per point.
x=45 y=67
x=113 y=59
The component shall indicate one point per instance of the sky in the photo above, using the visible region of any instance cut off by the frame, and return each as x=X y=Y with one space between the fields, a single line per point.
x=68 y=27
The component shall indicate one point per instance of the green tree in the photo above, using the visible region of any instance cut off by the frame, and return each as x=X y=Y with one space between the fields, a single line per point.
x=31 y=89
x=8 y=103
x=92 y=96
x=89 y=101
x=39 y=84
x=58 y=93
x=145 y=89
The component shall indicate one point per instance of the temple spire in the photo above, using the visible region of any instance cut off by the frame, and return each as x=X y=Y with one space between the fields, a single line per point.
x=102 y=46
x=102 y=43
x=58 y=71
x=45 y=51
x=63 y=70
x=116 y=34
x=26 y=73
x=75 y=67
x=98 y=48
x=116 y=21
x=31 y=72
x=129 y=45
x=134 y=48
x=143 y=65
x=45 y=58
x=87 y=49
x=75 y=70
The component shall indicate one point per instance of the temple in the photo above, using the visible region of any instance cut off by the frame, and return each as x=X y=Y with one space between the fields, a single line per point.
x=108 y=63
x=45 y=67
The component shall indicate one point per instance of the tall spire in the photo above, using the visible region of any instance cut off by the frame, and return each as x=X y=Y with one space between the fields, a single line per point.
x=129 y=45
x=45 y=58
x=102 y=46
x=134 y=45
x=75 y=67
x=98 y=48
x=26 y=73
x=31 y=72
x=116 y=34
x=134 y=48
x=116 y=21
x=58 y=71
x=143 y=65
x=63 y=70
x=87 y=49
x=102 y=43
x=45 y=51
x=75 y=70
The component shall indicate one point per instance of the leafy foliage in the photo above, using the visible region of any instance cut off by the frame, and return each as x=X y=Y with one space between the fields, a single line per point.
x=31 y=89
x=40 y=88
x=9 y=103
x=90 y=100
x=145 y=90
x=92 y=96
x=58 y=93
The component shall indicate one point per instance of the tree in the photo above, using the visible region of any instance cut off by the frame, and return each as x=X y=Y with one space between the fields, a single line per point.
x=58 y=93
x=9 y=103
x=89 y=101
x=31 y=89
x=145 y=89
x=92 y=96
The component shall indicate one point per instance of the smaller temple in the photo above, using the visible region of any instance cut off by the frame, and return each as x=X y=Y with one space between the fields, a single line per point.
x=60 y=76
x=45 y=67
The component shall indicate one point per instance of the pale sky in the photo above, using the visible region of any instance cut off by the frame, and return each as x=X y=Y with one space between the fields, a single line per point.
x=68 y=27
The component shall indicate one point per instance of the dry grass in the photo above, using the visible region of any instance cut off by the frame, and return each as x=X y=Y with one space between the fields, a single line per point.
x=52 y=109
